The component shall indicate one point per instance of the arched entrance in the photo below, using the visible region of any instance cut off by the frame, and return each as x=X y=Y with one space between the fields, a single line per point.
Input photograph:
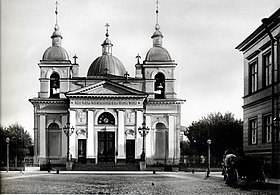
x=161 y=150
x=106 y=139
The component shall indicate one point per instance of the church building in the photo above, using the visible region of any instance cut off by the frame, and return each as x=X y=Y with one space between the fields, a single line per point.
x=98 y=118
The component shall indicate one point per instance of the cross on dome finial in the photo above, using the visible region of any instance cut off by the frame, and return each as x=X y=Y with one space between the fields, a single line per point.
x=56 y=13
x=157 y=24
x=107 y=28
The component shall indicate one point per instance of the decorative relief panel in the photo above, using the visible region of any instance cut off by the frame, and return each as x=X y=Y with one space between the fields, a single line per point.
x=130 y=117
x=81 y=117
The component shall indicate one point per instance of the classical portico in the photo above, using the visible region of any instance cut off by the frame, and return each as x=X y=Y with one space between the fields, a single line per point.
x=105 y=115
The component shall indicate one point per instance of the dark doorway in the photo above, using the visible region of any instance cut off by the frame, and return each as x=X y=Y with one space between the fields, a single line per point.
x=106 y=147
x=82 y=148
x=130 y=151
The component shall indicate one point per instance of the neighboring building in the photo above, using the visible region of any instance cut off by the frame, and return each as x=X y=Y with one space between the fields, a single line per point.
x=106 y=107
x=262 y=91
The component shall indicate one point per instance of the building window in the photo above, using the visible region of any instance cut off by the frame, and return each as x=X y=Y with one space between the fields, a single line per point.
x=253 y=127
x=54 y=86
x=159 y=86
x=267 y=69
x=267 y=129
x=253 y=76
x=106 y=118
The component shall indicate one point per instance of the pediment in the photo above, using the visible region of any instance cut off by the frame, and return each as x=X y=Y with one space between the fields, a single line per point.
x=106 y=88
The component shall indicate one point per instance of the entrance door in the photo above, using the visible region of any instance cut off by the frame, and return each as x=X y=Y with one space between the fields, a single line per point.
x=106 y=147
x=82 y=143
x=130 y=151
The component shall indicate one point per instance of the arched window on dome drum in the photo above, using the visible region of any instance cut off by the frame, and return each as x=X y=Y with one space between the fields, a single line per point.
x=159 y=86
x=106 y=118
x=54 y=86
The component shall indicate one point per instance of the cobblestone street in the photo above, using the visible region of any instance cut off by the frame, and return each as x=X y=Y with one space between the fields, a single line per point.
x=123 y=183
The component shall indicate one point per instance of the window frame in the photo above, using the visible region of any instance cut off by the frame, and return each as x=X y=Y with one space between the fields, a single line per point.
x=253 y=77
x=267 y=76
x=253 y=131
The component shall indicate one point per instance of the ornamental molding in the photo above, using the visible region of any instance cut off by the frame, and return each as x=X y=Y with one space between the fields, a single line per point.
x=81 y=131
x=130 y=132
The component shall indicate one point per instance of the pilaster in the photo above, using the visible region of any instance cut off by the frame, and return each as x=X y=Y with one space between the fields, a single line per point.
x=64 y=139
x=90 y=140
x=148 y=138
x=138 y=139
x=42 y=136
x=73 y=144
x=121 y=141
x=171 y=136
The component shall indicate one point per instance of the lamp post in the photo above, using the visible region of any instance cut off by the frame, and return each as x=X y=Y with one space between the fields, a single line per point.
x=68 y=132
x=266 y=22
x=8 y=158
x=143 y=131
x=208 y=169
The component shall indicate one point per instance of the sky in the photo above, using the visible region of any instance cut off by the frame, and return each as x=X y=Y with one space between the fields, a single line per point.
x=200 y=35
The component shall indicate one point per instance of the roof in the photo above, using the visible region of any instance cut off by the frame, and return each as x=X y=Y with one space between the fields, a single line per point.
x=260 y=31
x=55 y=53
x=106 y=64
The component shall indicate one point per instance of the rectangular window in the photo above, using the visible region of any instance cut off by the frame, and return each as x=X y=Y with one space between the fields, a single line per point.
x=267 y=69
x=253 y=127
x=253 y=76
x=267 y=128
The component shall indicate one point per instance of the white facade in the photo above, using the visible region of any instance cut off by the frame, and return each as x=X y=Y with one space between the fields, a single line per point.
x=106 y=108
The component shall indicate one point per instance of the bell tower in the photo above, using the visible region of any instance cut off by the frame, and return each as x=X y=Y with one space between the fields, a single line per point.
x=163 y=109
x=51 y=105
x=158 y=68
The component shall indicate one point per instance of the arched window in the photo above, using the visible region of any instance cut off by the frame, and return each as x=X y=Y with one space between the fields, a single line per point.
x=54 y=141
x=106 y=118
x=54 y=86
x=161 y=138
x=159 y=86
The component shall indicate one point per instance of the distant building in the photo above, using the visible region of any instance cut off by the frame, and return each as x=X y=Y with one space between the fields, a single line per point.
x=262 y=91
x=106 y=107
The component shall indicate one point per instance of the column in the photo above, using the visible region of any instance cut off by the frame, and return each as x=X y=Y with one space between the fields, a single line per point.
x=121 y=140
x=148 y=138
x=171 y=136
x=72 y=139
x=42 y=136
x=90 y=137
x=138 y=139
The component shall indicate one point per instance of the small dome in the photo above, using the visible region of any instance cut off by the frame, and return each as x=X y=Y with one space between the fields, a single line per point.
x=55 y=53
x=158 y=54
x=106 y=64
x=107 y=42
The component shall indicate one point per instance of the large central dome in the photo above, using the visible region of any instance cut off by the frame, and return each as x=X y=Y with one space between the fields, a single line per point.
x=107 y=63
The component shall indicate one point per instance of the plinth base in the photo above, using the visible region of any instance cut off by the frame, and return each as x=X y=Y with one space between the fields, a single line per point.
x=143 y=166
x=69 y=165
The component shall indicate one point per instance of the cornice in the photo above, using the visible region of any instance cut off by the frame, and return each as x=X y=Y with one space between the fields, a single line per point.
x=165 y=101
x=48 y=101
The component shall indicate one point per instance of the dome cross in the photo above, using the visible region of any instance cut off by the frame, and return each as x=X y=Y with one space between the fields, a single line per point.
x=138 y=57
x=107 y=29
x=157 y=24
x=56 y=13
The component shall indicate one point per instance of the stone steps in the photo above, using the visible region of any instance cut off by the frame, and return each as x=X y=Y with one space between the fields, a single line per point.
x=106 y=167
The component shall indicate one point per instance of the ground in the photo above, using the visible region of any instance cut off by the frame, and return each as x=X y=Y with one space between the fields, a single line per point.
x=124 y=183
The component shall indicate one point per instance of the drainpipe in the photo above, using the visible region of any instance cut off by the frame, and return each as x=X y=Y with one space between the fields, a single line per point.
x=265 y=22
